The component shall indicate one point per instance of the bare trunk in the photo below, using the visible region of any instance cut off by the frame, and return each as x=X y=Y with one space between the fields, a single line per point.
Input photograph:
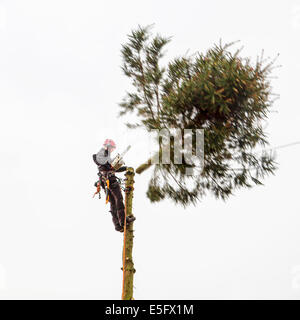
x=128 y=266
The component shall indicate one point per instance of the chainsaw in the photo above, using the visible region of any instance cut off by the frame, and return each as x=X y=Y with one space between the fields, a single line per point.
x=118 y=161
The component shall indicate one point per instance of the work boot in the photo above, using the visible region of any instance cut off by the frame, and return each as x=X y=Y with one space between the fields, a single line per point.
x=119 y=228
x=117 y=225
x=130 y=219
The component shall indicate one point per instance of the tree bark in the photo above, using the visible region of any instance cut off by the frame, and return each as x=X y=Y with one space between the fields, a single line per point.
x=144 y=167
x=128 y=266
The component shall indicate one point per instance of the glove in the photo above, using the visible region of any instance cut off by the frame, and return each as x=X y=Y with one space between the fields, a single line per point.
x=124 y=168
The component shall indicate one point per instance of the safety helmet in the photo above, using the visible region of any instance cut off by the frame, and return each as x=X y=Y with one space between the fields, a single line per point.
x=109 y=143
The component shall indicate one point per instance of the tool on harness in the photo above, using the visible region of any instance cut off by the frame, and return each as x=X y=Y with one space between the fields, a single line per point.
x=98 y=186
x=121 y=183
x=105 y=185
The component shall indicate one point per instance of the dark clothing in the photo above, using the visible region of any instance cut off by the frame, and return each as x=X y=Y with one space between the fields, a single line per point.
x=106 y=172
x=116 y=202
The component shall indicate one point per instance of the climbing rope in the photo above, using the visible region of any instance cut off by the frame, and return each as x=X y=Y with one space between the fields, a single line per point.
x=124 y=244
x=98 y=190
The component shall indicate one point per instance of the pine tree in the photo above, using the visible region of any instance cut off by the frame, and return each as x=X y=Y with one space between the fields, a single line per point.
x=221 y=92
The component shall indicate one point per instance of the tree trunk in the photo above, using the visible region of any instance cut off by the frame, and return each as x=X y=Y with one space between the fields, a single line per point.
x=128 y=266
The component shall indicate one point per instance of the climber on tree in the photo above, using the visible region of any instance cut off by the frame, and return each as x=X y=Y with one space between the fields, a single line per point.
x=109 y=182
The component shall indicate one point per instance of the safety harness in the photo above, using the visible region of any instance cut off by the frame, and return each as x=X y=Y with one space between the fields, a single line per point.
x=104 y=177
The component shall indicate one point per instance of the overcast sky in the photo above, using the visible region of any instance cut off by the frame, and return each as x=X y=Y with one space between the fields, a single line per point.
x=60 y=85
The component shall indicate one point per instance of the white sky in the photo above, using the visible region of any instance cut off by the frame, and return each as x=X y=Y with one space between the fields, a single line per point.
x=60 y=84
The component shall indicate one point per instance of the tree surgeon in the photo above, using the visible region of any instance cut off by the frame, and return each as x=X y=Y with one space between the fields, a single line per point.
x=109 y=182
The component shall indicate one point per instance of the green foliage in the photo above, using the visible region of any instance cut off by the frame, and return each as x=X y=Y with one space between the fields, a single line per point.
x=226 y=95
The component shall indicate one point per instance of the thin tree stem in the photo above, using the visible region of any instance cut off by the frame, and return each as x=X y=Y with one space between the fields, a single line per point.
x=128 y=266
